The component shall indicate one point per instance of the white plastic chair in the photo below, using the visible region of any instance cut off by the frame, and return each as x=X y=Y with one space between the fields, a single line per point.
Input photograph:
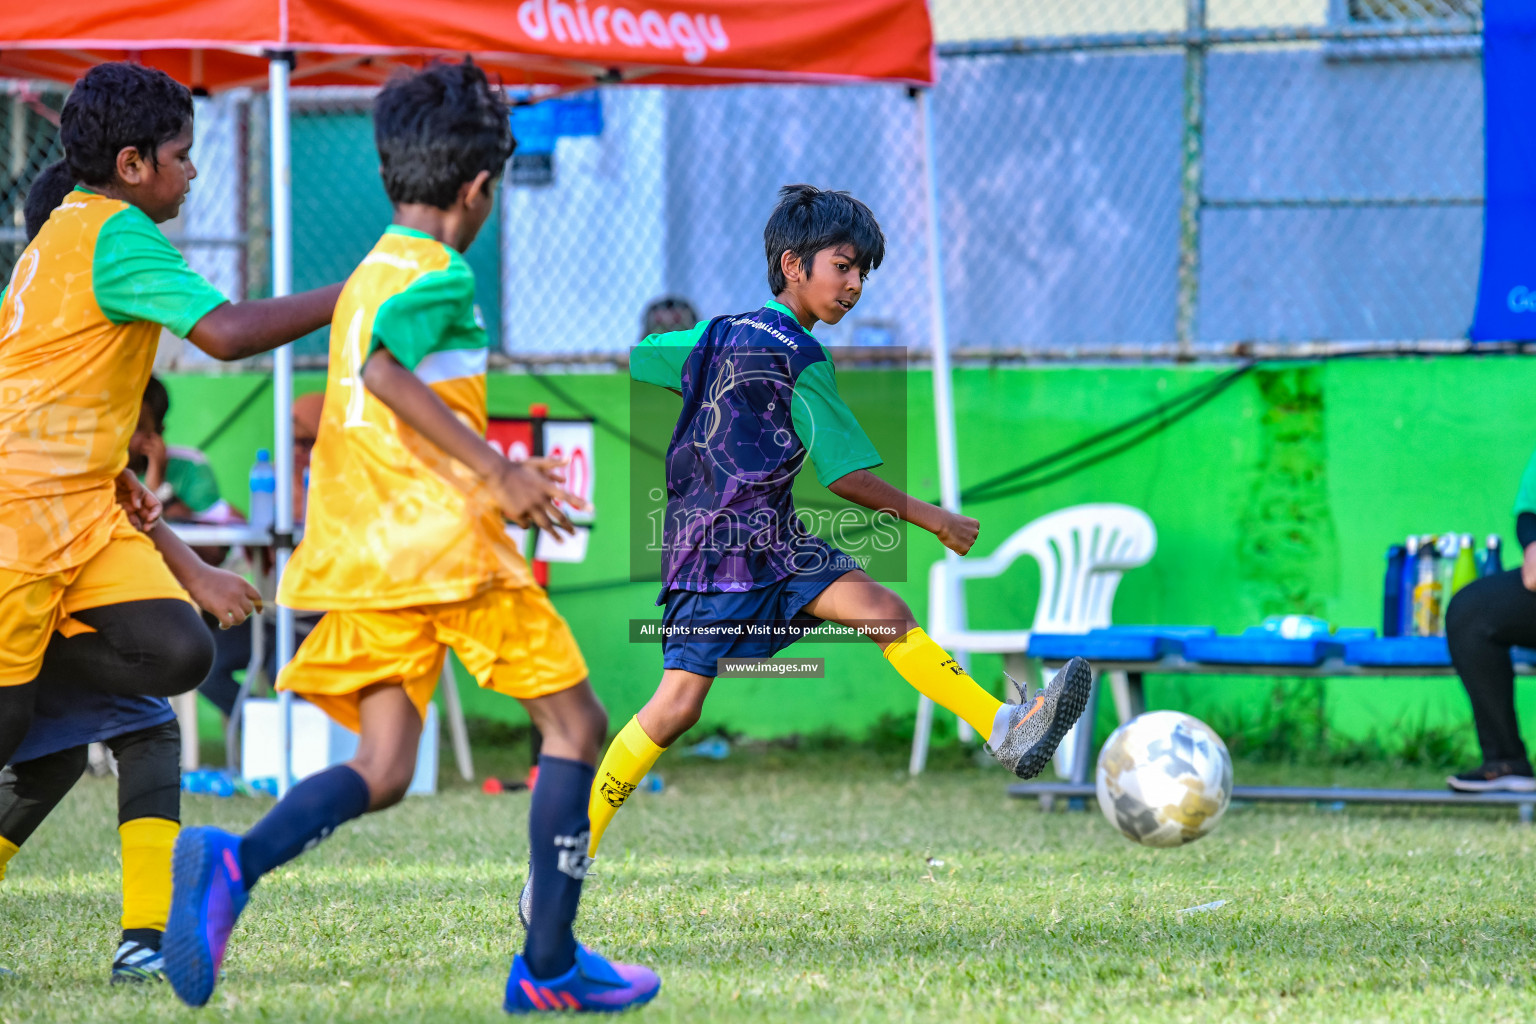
x=1082 y=552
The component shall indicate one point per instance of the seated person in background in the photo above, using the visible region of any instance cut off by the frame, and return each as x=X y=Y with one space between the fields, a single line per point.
x=666 y=314
x=232 y=647
x=306 y=427
x=1485 y=619
x=180 y=477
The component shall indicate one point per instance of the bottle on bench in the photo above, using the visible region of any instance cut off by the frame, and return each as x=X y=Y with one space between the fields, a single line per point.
x=1410 y=580
x=1427 y=592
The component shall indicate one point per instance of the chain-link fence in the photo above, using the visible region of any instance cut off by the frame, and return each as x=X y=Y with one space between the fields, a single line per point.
x=1147 y=177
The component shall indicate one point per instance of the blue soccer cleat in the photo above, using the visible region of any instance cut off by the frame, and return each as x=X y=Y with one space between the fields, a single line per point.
x=593 y=985
x=207 y=895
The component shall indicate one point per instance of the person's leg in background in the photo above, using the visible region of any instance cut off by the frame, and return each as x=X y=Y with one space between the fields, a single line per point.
x=1485 y=619
x=149 y=818
x=29 y=791
x=231 y=654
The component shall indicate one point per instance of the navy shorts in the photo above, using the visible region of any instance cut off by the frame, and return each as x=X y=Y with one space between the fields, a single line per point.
x=780 y=602
x=70 y=716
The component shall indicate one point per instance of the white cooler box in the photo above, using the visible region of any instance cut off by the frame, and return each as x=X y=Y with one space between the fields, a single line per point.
x=318 y=743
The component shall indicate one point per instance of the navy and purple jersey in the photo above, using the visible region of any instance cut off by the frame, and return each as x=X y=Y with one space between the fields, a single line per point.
x=759 y=396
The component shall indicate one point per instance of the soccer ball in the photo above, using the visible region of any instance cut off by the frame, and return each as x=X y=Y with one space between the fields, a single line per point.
x=1164 y=779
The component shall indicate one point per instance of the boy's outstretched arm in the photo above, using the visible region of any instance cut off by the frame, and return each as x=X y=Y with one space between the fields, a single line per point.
x=862 y=487
x=227 y=596
x=525 y=491
x=236 y=330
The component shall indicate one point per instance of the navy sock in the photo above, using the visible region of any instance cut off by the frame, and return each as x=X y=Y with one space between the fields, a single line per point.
x=558 y=832
x=311 y=811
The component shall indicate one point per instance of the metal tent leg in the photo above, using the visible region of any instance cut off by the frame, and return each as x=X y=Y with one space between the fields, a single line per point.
x=278 y=69
x=456 y=726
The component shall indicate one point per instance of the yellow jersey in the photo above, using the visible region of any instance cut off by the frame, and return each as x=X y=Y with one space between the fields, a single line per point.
x=392 y=521
x=79 y=325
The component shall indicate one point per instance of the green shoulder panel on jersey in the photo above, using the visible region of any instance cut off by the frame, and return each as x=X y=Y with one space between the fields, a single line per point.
x=138 y=275
x=435 y=313
x=827 y=427
x=659 y=358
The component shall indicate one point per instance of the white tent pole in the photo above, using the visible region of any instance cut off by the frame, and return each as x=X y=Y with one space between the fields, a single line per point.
x=943 y=406
x=282 y=388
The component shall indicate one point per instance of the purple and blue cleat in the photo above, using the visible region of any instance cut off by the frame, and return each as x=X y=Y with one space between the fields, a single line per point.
x=592 y=985
x=207 y=895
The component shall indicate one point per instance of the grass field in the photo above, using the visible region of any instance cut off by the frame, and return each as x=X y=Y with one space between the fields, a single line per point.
x=785 y=885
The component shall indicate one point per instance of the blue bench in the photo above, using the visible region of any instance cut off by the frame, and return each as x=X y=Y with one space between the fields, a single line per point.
x=1182 y=649
x=1190 y=650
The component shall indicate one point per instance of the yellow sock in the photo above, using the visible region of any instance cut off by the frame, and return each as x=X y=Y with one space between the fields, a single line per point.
x=147 y=844
x=937 y=676
x=629 y=757
x=8 y=850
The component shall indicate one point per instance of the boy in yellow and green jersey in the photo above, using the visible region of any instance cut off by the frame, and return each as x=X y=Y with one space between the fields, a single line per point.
x=140 y=731
x=84 y=596
x=406 y=552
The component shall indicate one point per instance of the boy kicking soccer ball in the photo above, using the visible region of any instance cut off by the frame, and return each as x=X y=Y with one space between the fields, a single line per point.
x=406 y=552
x=759 y=396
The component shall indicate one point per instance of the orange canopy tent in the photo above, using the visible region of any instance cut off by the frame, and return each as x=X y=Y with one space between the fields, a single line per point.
x=221 y=44
x=215 y=44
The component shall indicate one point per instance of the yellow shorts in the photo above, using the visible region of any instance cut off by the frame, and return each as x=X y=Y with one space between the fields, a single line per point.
x=33 y=606
x=512 y=641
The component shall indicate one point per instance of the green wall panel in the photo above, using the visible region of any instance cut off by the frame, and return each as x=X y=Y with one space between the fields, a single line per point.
x=1280 y=495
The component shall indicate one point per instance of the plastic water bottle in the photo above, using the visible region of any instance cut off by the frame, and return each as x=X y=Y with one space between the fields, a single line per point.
x=263 y=491
x=1392 y=593
x=1427 y=593
x=1465 y=569
x=1445 y=565
x=1410 y=580
x=1491 y=562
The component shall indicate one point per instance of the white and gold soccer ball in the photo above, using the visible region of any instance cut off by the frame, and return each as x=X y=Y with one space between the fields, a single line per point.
x=1164 y=779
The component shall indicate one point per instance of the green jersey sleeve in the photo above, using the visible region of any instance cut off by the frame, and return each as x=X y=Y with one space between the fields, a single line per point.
x=659 y=358
x=191 y=478
x=138 y=275
x=435 y=313
x=1525 y=501
x=827 y=427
